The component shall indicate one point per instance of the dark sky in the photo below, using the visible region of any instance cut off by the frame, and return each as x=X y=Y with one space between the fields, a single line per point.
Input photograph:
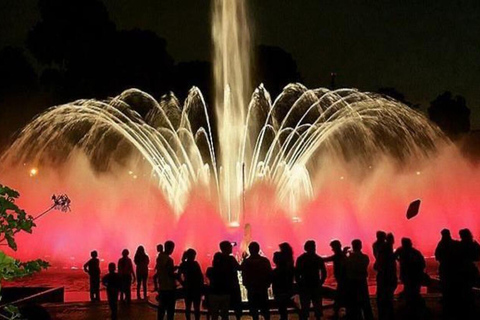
x=422 y=48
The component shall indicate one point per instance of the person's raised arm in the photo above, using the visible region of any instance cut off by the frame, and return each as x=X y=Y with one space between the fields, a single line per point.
x=329 y=258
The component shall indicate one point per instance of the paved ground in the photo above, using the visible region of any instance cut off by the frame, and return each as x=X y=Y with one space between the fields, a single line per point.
x=142 y=311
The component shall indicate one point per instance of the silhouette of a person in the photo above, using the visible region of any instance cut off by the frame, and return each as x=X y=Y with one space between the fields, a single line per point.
x=92 y=267
x=447 y=254
x=141 y=260
x=387 y=281
x=287 y=254
x=378 y=245
x=230 y=267
x=125 y=270
x=282 y=282
x=113 y=283
x=469 y=251
x=358 y=300
x=192 y=281
x=310 y=274
x=166 y=282
x=155 y=275
x=339 y=259
x=257 y=277
x=219 y=288
x=412 y=266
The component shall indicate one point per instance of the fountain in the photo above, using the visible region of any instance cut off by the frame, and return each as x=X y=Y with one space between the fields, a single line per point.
x=309 y=159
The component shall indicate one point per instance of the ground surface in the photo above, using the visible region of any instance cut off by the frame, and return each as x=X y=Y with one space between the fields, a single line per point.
x=140 y=310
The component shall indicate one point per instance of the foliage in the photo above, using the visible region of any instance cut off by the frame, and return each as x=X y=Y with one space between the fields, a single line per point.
x=451 y=114
x=12 y=221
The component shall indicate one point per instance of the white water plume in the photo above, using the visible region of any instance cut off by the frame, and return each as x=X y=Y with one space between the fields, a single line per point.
x=281 y=144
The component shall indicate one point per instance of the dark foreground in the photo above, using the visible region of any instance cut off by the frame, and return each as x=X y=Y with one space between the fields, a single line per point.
x=142 y=310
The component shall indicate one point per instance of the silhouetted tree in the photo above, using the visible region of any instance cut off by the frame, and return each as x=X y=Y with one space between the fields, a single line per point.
x=18 y=89
x=88 y=57
x=193 y=73
x=275 y=68
x=17 y=76
x=397 y=95
x=451 y=114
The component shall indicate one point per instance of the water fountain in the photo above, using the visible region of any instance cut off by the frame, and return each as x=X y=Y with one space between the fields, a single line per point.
x=273 y=166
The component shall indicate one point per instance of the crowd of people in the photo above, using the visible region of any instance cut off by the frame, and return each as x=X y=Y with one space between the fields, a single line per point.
x=221 y=285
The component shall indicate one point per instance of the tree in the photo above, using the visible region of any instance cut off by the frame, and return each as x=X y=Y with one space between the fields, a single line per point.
x=193 y=73
x=275 y=68
x=87 y=57
x=451 y=114
x=14 y=220
x=397 y=95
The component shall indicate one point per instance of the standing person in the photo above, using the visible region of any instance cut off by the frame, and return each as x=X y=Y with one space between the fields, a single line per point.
x=92 y=267
x=141 y=260
x=166 y=282
x=469 y=251
x=339 y=258
x=412 y=266
x=386 y=278
x=230 y=267
x=113 y=284
x=358 y=305
x=310 y=274
x=125 y=270
x=287 y=254
x=192 y=281
x=155 y=275
x=282 y=283
x=447 y=255
x=257 y=277
x=378 y=245
x=219 y=289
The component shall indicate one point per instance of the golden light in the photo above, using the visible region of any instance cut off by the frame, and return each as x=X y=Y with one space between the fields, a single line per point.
x=33 y=172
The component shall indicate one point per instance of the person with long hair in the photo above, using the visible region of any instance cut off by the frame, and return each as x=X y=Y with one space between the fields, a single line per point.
x=191 y=278
x=141 y=260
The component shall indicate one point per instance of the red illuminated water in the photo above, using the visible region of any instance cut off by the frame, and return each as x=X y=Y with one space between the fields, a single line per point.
x=110 y=213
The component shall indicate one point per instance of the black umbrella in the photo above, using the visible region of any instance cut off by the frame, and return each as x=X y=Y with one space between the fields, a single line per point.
x=413 y=209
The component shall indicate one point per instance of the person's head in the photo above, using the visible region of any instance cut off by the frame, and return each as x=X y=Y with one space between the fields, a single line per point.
x=169 y=247
x=190 y=254
x=94 y=254
x=226 y=247
x=286 y=249
x=254 y=248
x=310 y=246
x=407 y=243
x=357 y=245
x=381 y=235
x=112 y=267
x=140 y=250
x=125 y=253
x=336 y=246
x=217 y=259
x=390 y=238
x=466 y=235
x=160 y=248
x=278 y=258
x=446 y=234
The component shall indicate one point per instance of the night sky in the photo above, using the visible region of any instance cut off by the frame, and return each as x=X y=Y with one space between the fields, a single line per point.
x=421 y=48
